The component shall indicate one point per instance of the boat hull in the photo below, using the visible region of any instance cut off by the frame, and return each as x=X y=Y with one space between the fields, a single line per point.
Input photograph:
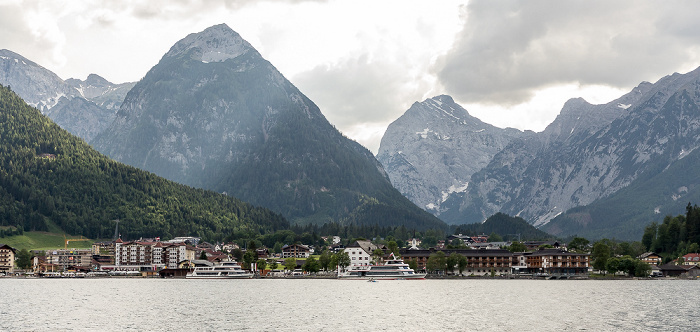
x=247 y=276
x=413 y=277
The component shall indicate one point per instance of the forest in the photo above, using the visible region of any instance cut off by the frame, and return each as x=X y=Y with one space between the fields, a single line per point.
x=50 y=178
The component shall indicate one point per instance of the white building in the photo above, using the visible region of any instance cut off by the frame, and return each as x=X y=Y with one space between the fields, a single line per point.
x=360 y=252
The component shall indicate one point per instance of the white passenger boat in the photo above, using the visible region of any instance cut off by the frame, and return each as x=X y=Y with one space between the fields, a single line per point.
x=393 y=269
x=224 y=270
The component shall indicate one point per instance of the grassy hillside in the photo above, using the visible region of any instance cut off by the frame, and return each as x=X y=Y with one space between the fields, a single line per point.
x=45 y=241
x=48 y=176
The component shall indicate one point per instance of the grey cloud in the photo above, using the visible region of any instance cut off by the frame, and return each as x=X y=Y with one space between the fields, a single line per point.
x=508 y=49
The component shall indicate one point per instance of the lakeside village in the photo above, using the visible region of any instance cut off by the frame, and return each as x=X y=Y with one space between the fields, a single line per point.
x=466 y=256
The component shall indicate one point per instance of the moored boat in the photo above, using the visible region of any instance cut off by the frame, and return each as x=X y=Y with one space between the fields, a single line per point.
x=224 y=270
x=393 y=269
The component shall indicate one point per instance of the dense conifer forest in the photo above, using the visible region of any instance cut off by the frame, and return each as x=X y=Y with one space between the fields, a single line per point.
x=50 y=178
x=510 y=228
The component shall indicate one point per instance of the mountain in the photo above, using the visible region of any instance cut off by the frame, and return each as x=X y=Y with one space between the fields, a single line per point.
x=214 y=114
x=84 y=108
x=100 y=91
x=433 y=149
x=510 y=228
x=546 y=176
x=658 y=147
x=49 y=177
x=598 y=170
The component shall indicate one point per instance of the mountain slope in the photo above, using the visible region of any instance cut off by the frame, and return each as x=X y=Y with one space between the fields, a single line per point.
x=510 y=228
x=214 y=114
x=577 y=166
x=84 y=108
x=435 y=146
x=669 y=181
x=49 y=176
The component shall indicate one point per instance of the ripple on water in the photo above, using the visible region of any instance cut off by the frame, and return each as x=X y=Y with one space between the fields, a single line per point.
x=344 y=305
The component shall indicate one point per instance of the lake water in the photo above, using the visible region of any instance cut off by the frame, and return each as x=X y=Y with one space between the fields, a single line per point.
x=345 y=305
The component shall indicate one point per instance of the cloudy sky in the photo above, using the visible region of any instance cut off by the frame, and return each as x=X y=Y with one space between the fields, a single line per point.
x=509 y=63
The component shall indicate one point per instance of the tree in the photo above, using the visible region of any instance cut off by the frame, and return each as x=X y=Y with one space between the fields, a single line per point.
x=628 y=265
x=600 y=255
x=612 y=265
x=393 y=247
x=203 y=255
x=413 y=264
x=462 y=264
x=237 y=253
x=261 y=264
x=451 y=261
x=252 y=245
x=436 y=261
x=649 y=235
x=693 y=248
x=377 y=255
x=341 y=259
x=493 y=237
x=642 y=269
x=272 y=263
x=24 y=259
x=249 y=258
x=277 y=248
x=311 y=265
x=429 y=241
x=578 y=244
x=517 y=247
x=290 y=263
x=324 y=260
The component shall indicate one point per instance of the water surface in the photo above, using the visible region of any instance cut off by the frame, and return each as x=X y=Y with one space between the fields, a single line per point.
x=348 y=305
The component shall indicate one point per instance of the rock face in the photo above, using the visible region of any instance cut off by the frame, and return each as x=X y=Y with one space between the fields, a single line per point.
x=432 y=150
x=588 y=155
x=84 y=108
x=214 y=114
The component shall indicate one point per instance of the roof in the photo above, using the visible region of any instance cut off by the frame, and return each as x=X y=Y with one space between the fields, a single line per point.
x=554 y=251
x=691 y=257
x=647 y=254
x=465 y=252
x=298 y=245
x=673 y=267
x=2 y=245
x=365 y=245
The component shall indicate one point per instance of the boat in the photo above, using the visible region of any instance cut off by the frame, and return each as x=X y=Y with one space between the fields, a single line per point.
x=223 y=270
x=393 y=269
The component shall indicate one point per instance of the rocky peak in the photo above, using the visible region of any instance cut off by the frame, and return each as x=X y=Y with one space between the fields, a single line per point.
x=215 y=44
x=97 y=80
x=38 y=86
x=433 y=149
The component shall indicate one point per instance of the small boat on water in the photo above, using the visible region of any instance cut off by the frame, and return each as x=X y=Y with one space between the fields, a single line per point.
x=393 y=269
x=224 y=270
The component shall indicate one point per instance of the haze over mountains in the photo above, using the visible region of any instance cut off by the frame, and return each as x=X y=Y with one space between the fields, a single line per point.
x=51 y=179
x=84 y=108
x=590 y=154
x=214 y=114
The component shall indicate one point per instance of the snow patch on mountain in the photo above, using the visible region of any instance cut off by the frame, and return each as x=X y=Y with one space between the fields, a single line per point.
x=215 y=44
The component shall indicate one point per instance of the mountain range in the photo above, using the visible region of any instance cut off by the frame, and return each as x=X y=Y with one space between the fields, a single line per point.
x=84 y=108
x=597 y=170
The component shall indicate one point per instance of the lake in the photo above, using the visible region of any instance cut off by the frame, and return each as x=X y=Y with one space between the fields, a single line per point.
x=347 y=305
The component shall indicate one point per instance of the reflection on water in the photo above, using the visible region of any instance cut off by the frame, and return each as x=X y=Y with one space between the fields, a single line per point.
x=345 y=305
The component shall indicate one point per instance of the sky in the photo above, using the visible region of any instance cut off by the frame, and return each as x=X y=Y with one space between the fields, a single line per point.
x=365 y=62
